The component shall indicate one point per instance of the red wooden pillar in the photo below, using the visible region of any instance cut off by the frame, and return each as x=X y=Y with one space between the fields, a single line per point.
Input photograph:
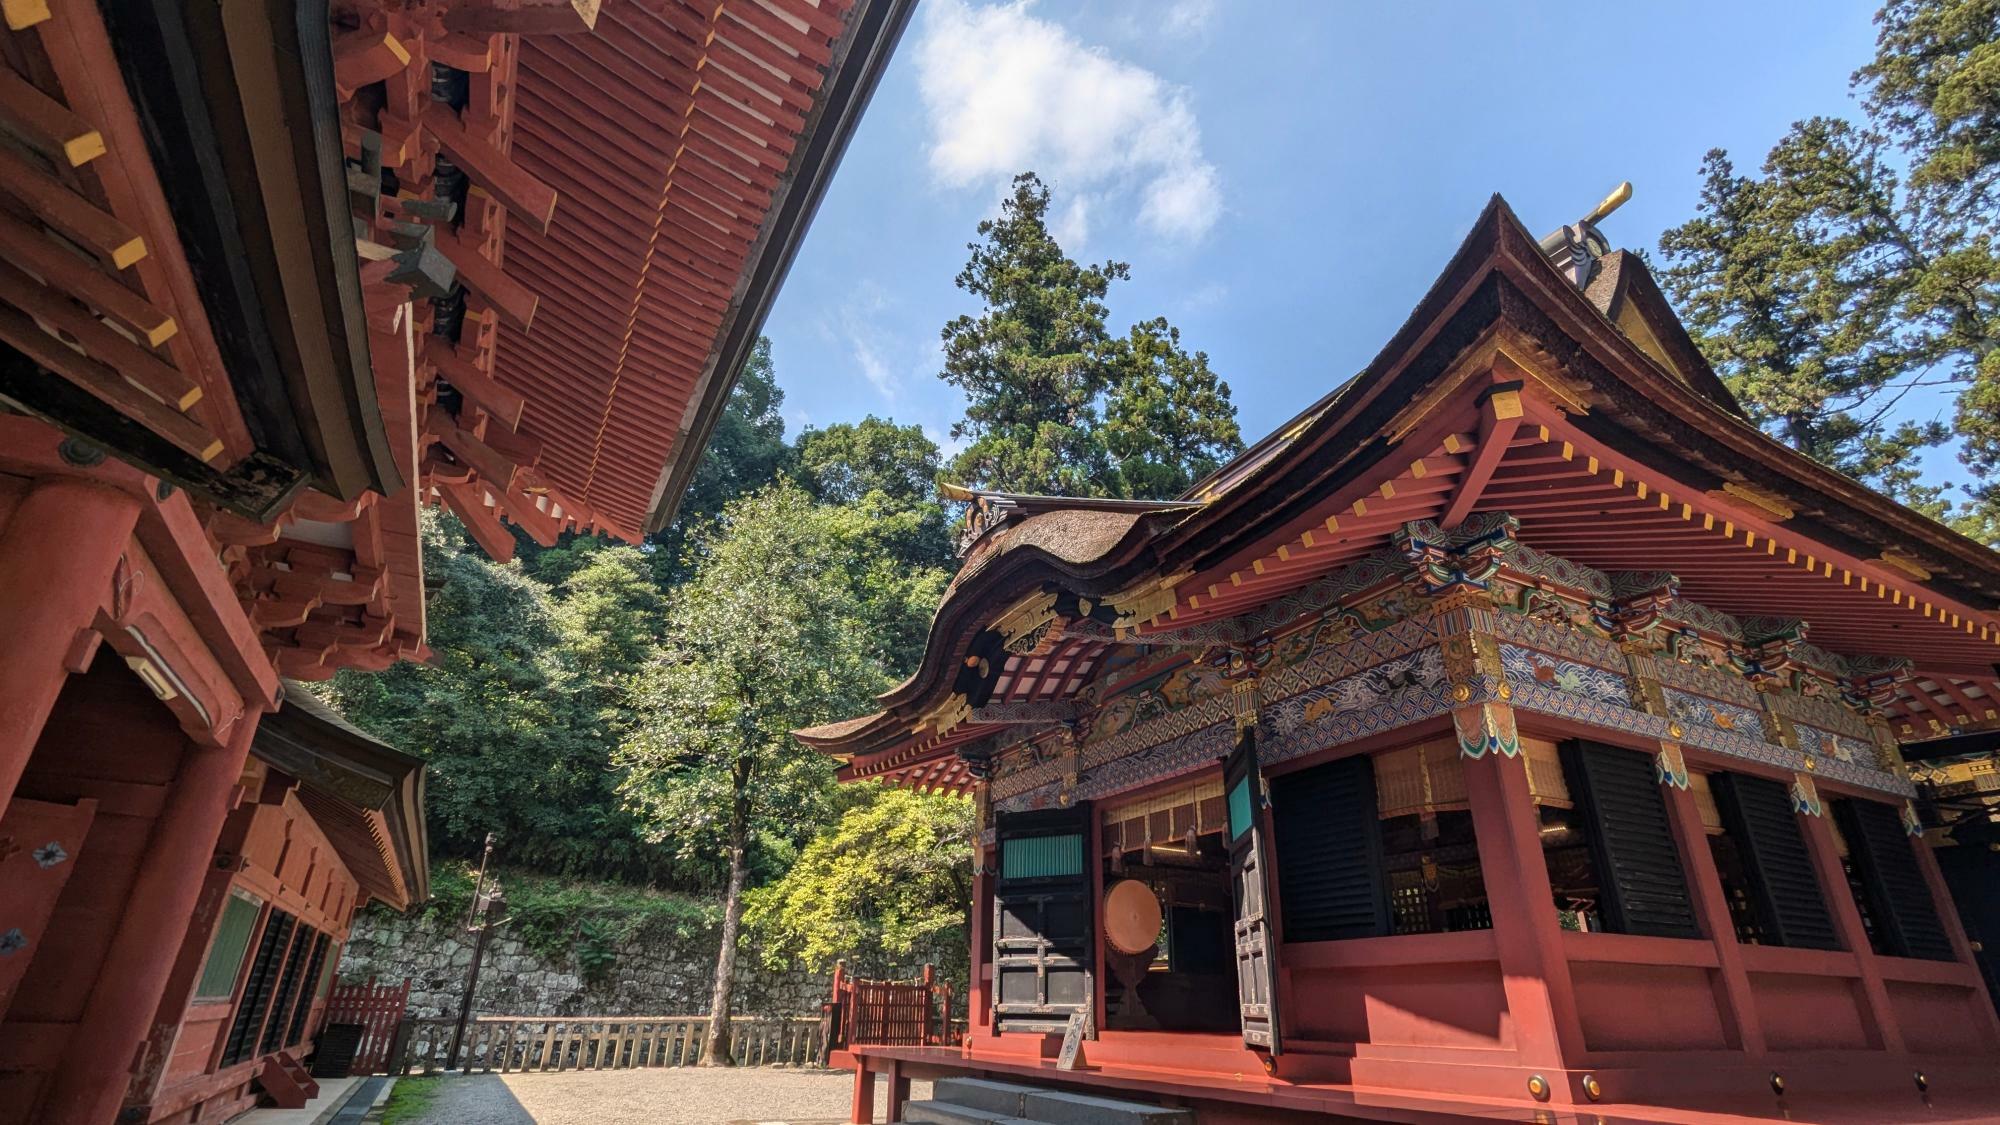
x=1534 y=971
x=57 y=558
x=979 y=998
x=1878 y=1017
x=1711 y=907
x=90 y=1083
x=899 y=1090
x=219 y=875
x=862 y=1110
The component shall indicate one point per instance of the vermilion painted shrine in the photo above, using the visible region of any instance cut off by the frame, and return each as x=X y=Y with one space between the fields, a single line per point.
x=271 y=277
x=1516 y=733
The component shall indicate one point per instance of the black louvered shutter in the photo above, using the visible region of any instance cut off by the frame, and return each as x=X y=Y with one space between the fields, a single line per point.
x=1899 y=896
x=257 y=989
x=1329 y=844
x=1758 y=815
x=1042 y=934
x=308 y=992
x=288 y=991
x=1644 y=888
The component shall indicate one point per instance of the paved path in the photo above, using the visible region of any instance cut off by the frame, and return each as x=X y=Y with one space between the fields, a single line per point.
x=676 y=1096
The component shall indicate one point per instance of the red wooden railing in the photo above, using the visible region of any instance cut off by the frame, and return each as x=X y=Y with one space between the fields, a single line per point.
x=889 y=1013
x=379 y=1011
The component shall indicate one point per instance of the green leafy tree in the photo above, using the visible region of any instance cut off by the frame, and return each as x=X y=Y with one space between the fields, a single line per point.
x=1055 y=400
x=1860 y=266
x=514 y=729
x=767 y=635
x=747 y=451
x=848 y=460
x=888 y=883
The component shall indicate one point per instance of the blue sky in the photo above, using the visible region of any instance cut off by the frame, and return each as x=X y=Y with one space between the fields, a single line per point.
x=1285 y=178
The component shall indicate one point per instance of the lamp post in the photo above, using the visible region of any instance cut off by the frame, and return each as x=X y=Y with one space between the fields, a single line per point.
x=477 y=923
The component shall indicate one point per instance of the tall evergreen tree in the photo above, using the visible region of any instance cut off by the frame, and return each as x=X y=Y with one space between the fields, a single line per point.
x=767 y=635
x=1056 y=403
x=1861 y=265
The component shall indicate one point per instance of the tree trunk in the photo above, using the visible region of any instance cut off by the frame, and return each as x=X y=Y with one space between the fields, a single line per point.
x=717 y=1051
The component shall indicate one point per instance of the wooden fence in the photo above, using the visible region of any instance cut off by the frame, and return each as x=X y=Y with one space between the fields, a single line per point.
x=891 y=1013
x=378 y=1009
x=507 y=1044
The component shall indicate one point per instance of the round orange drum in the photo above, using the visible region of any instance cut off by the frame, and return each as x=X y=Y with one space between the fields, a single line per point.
x=1131 y=916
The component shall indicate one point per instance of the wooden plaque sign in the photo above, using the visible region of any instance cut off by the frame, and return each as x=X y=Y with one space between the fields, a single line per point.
x=1072 y=1042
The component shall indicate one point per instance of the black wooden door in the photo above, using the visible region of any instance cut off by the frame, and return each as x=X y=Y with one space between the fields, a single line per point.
x=1249 y=882
x=1042 y=912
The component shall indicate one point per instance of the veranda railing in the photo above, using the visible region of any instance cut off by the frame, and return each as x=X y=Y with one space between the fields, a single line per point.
x=507 y=1044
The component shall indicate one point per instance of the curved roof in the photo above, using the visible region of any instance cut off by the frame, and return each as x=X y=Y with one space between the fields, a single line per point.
x=1611 y=370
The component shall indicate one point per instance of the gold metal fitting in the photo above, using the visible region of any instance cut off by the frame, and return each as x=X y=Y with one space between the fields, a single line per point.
x=1591 y=1089
x=1538 y=1086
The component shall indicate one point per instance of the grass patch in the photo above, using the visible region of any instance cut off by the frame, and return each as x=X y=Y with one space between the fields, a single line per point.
x=409 y=1100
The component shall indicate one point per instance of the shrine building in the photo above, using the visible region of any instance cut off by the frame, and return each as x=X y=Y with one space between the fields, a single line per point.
x=1516 y=734
x=272 y=277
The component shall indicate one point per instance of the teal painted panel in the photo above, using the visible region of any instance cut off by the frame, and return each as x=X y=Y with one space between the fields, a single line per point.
x=1041 y=857
x=1239 y=808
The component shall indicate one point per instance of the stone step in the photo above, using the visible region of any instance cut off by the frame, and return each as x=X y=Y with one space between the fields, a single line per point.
x=998 y=1101
x=983 y=1093
x=945 y=1113
x=1057 y=1107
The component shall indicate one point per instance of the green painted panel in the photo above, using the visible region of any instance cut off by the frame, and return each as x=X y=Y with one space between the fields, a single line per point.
x=1041 y=857
x=225 y=952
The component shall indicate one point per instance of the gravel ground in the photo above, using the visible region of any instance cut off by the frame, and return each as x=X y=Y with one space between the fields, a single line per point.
x=678 y=1096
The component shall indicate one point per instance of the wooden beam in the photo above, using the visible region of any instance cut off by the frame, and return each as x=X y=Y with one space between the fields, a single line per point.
x=467 y=502
x=514 y=300
x=59 y=207
x=140 y=367
x=33 y=251
x=524 y=451
x=488 y=463
x=502 y=405
x=106 y=385
x=493 y=170
x=364 y=57
x=522 y=17
x=45 y=124
x=519 y=509
x=1496 y=433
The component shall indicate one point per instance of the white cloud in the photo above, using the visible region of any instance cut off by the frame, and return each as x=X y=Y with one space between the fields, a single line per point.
x=855 y=327
x=1188 y=19
x=1007 y=92
x=1072 y=225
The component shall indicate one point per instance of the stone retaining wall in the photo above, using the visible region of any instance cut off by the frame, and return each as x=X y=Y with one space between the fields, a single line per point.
x=665 y=975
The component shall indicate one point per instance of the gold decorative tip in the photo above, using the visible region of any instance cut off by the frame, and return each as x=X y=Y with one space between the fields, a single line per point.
x=1609 y=203
x=24 y=14
x=188 y=398
x=954 y=492
x=130 y=252
x=212 y=451
x=1904 y=561
x=160 y=333
x=83 y=149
